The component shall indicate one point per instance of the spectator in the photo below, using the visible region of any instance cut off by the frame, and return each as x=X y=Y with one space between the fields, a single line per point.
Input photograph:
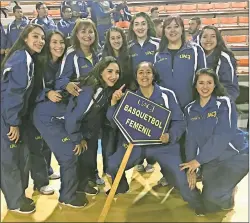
x=194 y=28
x=158 y=27
x=154 y=13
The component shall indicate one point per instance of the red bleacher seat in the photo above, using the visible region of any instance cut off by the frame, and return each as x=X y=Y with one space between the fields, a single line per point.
x=237 y=40
x=161 y=9
x=205 y=7
x=142 y=9
x=239 y=5
x=123 y=24
x=209 y=21
x=243 y=21
x=228 y=21
x=189 y=8
x=243 y=62
x=173 y=8
x=54 y=13
x=222 y=6
x=4 y=4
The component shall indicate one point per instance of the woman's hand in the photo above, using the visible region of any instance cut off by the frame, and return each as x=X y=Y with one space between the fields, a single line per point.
x=117 y=95
x=165 y=138
x=14 y=133
x=84 y=145
x=54 y=96
x=78 y=149
x=192 y=179
x=73 y=89
x=191 y=166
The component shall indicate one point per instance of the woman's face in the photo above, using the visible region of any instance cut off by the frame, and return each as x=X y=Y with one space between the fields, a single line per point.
x=111 y=73
x=86 y=36
x=35 y=40
x=173 y=32
x=56 y=46
x=208 y=40
x=140 y=27
x=144 y=75
x=115 y=40
x=205 y=85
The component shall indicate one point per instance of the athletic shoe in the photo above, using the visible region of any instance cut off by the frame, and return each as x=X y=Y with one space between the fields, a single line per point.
x=79 y=202
x=45 y=190
x=54 y=176
x=140 y=168
x=149 y=168
x=200 y=212
x=27 y=207
x=88 y=190
x=163 y=182
x=99 y=180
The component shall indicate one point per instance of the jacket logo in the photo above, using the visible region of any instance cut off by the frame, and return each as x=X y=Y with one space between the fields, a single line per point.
x=149 y=53
x=185 y=56
x=65 y=139
x=84 y=66
x=38 y=137
x=134 y=55
x=195 y=118
x=13 y=146
x=162 y=59
x=212 y=114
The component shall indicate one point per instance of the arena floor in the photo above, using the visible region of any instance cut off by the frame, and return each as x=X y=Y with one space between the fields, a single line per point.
x=141 y=204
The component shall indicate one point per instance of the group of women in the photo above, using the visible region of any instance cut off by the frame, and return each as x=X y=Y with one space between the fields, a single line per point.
x=57 y=98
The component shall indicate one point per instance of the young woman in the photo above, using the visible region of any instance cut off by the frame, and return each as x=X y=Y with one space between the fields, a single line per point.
x=116 y=46
x=176 y=62
x=47 y=68
x=214 y=143
x=78 y=61
x=142 y=47
x=16 y=86
x=167 y=154
x=220 y=59
x=68 y=126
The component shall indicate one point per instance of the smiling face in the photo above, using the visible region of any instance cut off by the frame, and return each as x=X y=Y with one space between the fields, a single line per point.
x=110 y=74
x=205 y=86
x=173 y=32
x=57 y=46
x=144 y=75
x=140 y=27
x=208 y=40
x=86 y=36
x=115 y=40
x=35 y=40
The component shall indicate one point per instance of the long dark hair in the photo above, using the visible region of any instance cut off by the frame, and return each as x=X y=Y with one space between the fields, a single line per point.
x=94 y=77
x=220 y=47
x=151 y=26
x=20 y=44
x=164 y=41
x=219 y=90
x=124 y=58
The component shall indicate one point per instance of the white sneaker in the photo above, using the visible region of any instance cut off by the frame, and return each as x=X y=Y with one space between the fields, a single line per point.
x=163 y=182
x=140 y=168
x=46 y=190
x=149 y=168
x=54 y=176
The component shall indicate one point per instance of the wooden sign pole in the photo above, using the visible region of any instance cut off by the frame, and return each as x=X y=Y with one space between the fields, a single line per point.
x=115 y=184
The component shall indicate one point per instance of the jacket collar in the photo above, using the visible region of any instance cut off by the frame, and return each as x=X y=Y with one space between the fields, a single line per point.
x=211 y=103
x=155 y=95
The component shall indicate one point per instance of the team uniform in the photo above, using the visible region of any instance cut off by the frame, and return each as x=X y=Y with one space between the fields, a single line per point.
x=14 y=30
x=66 y=27
x=101 y=17
x=3 y=40
x=16 y=87
x=47 y=23
x=146 y=52
x=215 y=142
x=226 y=71
x=123 y=15
x=167 y=155
x=177 y=69
x=63 y=126
x=77 y=6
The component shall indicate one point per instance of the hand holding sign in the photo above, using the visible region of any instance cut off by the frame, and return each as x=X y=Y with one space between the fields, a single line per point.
x=117 y=95
x=164 y=138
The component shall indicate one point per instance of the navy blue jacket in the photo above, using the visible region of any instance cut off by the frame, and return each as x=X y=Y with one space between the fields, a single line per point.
x=122 y=15
x=74 y=65
x=49 y=79
x=167 y=99
x=146 y=52
x=14 y=31
x=16 y=86
x=226 y=71
x=81 y=114
x=3 y=39
x=50 y=25
x=78 y=6
x=212 y=133
x=66 y=27
x=179 y=75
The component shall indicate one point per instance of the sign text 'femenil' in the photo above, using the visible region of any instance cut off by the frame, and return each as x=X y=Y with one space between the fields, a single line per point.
x=141 y=121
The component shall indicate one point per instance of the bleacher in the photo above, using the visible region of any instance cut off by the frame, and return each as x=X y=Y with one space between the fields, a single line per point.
x=231 y=18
